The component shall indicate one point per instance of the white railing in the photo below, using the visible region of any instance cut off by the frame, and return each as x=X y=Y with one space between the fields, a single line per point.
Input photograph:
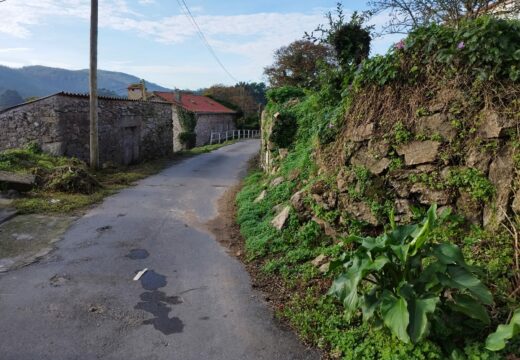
x=222 y=136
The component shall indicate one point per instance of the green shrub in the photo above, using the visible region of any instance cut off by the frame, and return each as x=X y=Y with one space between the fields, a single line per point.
x=409 y=278
x=188 y=139
x=284 y=129
x=283 y=94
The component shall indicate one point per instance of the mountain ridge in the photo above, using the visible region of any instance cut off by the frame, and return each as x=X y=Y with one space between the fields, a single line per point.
x=39 y=80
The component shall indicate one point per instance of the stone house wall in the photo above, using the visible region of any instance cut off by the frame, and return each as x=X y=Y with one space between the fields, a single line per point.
x=129 y=131
x=208 y=123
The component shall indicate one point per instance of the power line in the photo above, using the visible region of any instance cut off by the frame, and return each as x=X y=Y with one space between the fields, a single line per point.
x=186 y=10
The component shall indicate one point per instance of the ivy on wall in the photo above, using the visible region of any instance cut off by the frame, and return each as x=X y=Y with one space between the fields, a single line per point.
x=188 y=121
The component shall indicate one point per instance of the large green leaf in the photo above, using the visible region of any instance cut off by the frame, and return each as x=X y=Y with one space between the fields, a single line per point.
x=401 y=233
x=395 y=315
x=369 y=304
x=462 y=279
x=401 y=251
x=449 y=254
x=419 y=310
x=420 y=236
x=497 y=340
x=345 y=286
x=469 y=306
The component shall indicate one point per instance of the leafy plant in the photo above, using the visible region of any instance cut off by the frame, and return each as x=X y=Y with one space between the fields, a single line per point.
x=284 y=129
x=400 y=279
x=285 y=93
x=497 y=340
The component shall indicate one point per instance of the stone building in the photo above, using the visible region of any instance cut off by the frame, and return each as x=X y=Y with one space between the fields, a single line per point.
x=129 y=130
x=210 y=115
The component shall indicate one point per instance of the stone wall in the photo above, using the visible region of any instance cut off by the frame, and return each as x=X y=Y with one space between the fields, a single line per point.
x=477 y=176
x=129 y=131
x=208 y=123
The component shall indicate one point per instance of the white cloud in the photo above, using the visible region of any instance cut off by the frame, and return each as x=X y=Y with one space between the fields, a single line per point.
x=146 y=2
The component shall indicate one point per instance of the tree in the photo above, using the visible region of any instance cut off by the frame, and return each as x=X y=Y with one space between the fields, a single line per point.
x=94 y=141
x=10 y=98
x=350 y=40
x=298 y=64
x=406 y=15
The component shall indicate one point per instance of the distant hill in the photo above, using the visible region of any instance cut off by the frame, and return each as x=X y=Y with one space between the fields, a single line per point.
x=41 y=81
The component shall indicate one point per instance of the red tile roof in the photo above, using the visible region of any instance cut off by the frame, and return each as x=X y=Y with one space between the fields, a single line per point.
x=195 y=103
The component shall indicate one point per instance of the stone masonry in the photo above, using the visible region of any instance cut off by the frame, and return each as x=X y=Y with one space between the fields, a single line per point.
x=129 y=131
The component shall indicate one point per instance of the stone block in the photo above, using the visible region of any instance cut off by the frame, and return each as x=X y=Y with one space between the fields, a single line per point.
x=501 y=172
x=493 y=125
x=437 y=124
x=361 y=132
x=429 y=196
x=419 y=152
x=374 y=165
x=280 y=220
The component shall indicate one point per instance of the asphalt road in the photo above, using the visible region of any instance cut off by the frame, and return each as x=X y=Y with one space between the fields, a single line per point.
x=195 y=301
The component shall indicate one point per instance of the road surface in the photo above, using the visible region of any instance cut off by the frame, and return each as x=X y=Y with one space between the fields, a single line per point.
x=195 y=301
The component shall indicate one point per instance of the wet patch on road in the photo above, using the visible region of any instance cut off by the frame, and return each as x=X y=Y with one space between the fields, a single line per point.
x=138 y=254
x=102 y=229
x=157 y=303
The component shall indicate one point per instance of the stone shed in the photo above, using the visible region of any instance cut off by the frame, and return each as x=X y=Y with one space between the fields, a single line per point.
x=210 y=115
x=129 y=131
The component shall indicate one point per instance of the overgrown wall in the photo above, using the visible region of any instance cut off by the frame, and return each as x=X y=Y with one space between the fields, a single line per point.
x=377 y=166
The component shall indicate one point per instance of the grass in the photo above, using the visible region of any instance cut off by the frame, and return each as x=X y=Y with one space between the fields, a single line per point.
x=40 y=201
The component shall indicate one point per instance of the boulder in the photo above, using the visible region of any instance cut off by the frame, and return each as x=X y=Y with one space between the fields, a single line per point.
x=501 y=172
x=403 y=211
x=431 y=196
x=319 y=260
x=280 y=220
x=419 y=152
x=478 y=159
x=14 y=181
x=260 y=197
x=277 y=181
x=378 y=148
x=361 y=211
x=375 y=166
x=324 y=268
x=437 y=124
x=297 y=201
x=361 y=132
x=493 y=125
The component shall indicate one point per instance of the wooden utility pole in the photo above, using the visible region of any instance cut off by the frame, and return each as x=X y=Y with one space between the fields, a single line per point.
x=94 y=144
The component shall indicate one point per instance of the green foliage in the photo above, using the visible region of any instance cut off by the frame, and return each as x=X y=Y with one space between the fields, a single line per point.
x=473 y=181
x=285 y=93
x=188 y=139
x=497 y=340
x=485 y=49
x=31 y=158
x=284 y=129
x=408 y=277
x=187 y=119
x=401 y=135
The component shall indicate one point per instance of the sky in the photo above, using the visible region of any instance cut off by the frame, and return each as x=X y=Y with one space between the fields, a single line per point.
x=155 y=40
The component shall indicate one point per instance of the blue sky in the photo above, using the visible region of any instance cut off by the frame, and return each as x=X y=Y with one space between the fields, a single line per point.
x=153 y=39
